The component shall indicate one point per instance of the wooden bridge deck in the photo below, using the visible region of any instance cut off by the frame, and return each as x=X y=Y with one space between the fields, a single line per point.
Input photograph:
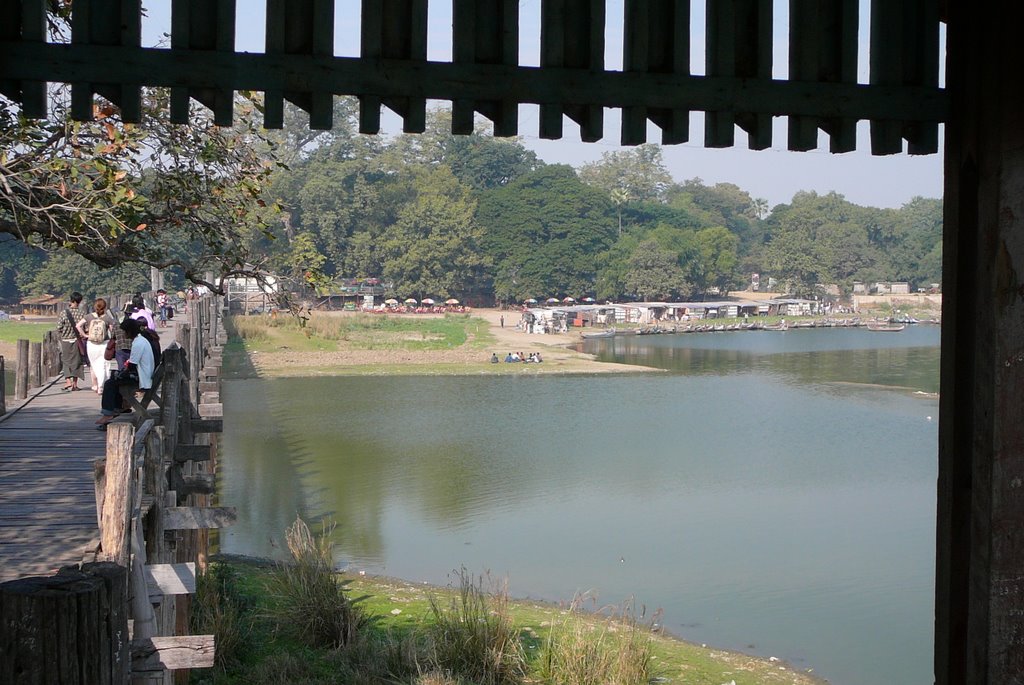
x=47 y=496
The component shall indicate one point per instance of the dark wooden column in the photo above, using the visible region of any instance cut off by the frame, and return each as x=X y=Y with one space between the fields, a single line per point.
x=980 y=556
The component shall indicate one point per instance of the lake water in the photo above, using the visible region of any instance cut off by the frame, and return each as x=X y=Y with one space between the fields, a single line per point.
x=772 y=492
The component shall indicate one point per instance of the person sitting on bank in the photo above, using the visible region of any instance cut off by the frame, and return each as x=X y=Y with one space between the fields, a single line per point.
x=138 y=371
x=508 y=358
x=494 y=358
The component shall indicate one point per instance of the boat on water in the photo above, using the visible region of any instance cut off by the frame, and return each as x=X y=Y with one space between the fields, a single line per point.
x=887 y=327
x=781 y=326
x=599 y=334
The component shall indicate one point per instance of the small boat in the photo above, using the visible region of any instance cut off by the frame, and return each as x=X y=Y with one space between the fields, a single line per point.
x=887 y=327
x=599 y=334
x=781 y=326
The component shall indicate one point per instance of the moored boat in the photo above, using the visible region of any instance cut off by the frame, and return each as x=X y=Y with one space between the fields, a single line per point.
x=887 y=327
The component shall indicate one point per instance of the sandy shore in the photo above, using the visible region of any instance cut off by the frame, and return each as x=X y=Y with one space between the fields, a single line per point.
x=558 y=352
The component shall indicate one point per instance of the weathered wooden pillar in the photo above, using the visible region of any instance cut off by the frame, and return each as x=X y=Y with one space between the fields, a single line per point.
x=35 y=364
x=119 y=494
x=21 y=372
x=51 y=354
x=71 y=628
x=979 y=630
x=3 y=387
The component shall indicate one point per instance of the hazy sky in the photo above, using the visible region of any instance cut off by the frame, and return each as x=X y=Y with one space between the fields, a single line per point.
x=774 y=174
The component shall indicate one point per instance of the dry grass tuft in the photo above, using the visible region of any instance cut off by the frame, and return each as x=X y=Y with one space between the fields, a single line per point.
x=311 y=601
x=617 y=652
x=473 y=638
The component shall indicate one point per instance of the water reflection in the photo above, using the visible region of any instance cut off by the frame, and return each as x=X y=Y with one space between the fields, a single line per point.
x=907 y=359
x=760 y=496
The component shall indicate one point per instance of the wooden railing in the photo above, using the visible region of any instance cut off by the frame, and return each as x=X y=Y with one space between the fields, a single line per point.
x=122 y=615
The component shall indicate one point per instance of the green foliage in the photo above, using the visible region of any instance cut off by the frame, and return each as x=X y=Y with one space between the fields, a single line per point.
x=654 y=274
x=65 y=272
x=221 y=609
x=545 y=232
x=638 y=172
x=434 y=247
x=154 y=194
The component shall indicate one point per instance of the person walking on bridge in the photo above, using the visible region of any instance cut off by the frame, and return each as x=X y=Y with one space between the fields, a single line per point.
x=97 y=328
x=70 y=354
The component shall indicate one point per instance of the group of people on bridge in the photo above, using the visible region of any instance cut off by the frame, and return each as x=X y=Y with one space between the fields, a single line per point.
x=120 y=349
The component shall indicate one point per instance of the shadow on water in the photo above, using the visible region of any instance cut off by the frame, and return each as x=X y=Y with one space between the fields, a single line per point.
x=745 y=493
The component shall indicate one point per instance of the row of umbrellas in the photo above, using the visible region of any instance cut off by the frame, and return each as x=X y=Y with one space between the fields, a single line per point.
x=426 y=301
x=555 y=300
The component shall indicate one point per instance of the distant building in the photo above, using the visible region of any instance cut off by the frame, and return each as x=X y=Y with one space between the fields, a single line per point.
x=249 y=295
x=43 y=305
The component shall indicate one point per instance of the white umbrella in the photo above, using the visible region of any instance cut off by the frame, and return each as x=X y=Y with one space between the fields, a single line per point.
x=451 y=301
x=428 y=301
x=551 y=300
x=569 y=299
x=410 y=300
x=391 y=300
x=530 y=301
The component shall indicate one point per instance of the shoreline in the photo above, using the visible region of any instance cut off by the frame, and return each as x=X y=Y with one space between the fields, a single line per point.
x=402 y=591
x=470 y=359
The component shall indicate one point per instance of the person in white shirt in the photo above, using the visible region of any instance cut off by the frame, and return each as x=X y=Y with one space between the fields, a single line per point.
x=138 y=371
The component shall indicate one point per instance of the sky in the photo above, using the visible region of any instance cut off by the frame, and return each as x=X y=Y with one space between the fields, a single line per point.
x=774 y=174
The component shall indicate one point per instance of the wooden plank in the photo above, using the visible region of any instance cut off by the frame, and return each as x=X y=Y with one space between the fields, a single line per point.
x=198 y=518
x=170 y=579
x=210 y=411
x=207 y=425
x=193 y=483
x=192 y=453
x=156 y=654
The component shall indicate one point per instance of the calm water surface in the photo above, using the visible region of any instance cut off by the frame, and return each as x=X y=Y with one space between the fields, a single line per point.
x=773 y=492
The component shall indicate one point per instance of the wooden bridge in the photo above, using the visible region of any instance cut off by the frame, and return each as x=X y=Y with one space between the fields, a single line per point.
x=106 y=529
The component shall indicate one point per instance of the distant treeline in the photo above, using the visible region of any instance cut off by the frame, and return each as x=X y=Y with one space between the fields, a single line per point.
x=482 y=219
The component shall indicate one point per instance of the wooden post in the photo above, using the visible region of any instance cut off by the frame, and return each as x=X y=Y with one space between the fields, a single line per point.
x=119 y=494
x=980 y=540
x=69 y=628
x=21 y=372
x=51 y=354
x=3 y=387
x=35 y=364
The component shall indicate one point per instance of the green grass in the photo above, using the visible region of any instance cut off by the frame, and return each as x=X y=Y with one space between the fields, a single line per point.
x=362 y=332
x=398 y=643
x=12 y=331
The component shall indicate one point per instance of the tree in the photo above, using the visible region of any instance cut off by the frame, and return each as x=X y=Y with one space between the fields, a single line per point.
x=156 y=194
x=65 y=272
x=545 y=232
x=716 y=264
x=434 y=247
x=639 y=172
x=654 y=273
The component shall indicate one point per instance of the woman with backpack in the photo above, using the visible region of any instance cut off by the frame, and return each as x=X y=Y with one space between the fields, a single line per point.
x=97 y=328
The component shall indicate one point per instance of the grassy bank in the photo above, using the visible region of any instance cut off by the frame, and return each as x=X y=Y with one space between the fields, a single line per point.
x=335 y=344
x=12 y=331
x=302 y=623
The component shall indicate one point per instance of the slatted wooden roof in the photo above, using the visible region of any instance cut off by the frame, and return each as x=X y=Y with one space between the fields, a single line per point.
x=902 y=100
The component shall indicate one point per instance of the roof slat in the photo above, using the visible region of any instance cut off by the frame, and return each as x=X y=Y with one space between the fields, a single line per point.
x=823 y=48
x=657 y=40
x=486 y=32
x=206 y=26
x=904 y=52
